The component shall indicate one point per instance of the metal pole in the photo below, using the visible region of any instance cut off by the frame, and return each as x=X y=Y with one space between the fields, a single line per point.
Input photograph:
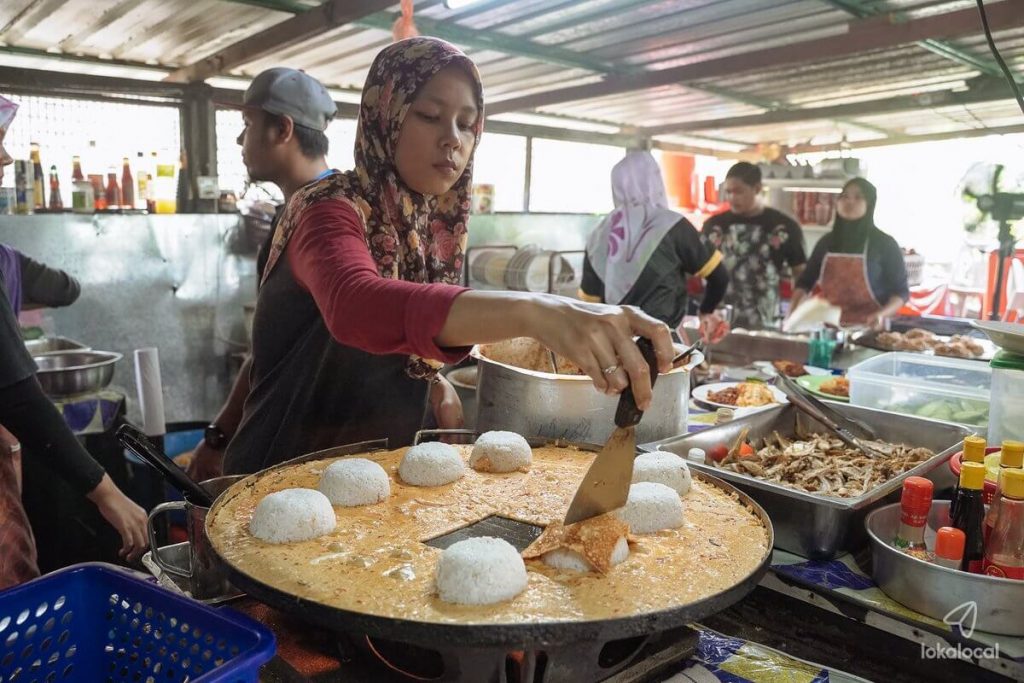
x=527 y=175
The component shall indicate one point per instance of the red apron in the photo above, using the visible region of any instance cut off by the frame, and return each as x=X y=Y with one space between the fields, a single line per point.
x=844 y=283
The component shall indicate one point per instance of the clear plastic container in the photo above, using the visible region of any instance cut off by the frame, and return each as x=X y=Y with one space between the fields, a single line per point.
x=934 y=387
x=1007 y=398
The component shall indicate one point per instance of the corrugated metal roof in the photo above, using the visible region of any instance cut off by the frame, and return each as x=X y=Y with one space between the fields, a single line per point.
x=597 y=35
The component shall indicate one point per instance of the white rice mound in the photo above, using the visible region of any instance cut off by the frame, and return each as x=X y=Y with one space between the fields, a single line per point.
x=651 y=507
x=292 y=515
x=570 y=560
x=665 y=468
x=431 y=464
x=355 y=481
x=480 y=571
x=500 y=452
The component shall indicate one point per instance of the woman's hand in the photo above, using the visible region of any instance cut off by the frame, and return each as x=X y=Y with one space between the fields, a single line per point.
x=712 y=328
x=599 y=339
x=124 y=515
x=446 y=405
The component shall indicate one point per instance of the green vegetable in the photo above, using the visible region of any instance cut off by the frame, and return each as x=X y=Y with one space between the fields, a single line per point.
x=959 y=410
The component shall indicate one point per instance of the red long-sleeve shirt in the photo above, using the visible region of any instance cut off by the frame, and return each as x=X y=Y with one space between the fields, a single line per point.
x=329 y=257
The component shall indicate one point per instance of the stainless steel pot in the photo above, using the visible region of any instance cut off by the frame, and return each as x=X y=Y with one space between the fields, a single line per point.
x=68 y=373
x=205 y=576
x=464 y=380
x=568 y=407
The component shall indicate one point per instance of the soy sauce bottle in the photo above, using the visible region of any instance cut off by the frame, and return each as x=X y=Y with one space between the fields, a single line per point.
x=970 y=516
x=974 y=451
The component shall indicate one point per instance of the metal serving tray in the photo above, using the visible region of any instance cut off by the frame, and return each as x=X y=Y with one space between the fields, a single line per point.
x=816 y=526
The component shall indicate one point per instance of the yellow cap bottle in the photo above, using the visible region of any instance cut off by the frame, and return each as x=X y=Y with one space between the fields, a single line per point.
x=972 y=476
x=1012 y=483
x=1012 y=454
x=974 y=449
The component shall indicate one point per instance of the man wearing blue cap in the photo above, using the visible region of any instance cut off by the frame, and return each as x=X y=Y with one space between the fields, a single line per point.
x=286 y=112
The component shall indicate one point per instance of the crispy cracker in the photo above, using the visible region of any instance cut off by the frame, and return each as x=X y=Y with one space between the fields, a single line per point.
x=593 y=538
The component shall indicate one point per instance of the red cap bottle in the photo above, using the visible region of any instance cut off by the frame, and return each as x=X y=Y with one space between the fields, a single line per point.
x=949 y=547
x=915 y=504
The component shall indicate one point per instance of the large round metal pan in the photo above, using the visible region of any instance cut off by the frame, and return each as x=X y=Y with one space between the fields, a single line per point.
x=510 y=635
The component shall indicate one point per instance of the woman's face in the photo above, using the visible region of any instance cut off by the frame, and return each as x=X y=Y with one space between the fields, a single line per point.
x=437 y=138
x=852 y=204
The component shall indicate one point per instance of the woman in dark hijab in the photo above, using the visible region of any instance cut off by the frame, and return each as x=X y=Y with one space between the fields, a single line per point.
x=856 y=266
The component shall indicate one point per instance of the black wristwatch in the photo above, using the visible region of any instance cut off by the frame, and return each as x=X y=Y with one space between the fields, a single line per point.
x=215 y=437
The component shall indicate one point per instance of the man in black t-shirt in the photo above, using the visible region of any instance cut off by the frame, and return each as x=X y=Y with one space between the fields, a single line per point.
x=759 y=244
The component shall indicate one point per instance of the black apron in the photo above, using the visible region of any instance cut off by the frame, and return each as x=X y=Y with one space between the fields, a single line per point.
x=308 y=392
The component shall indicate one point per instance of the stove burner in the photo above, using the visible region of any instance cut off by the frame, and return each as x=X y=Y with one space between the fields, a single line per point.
x=519 y=534
x=627 y=660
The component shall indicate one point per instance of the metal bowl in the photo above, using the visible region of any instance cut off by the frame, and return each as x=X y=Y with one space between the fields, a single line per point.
x=48 y=345
x=936 y=591
x=69 y=373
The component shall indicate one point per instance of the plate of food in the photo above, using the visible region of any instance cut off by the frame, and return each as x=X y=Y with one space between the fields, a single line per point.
x=789 y=368
x=830 y=387
x=739 y=395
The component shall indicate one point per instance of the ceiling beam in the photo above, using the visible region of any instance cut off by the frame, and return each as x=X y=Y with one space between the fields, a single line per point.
x=909 y=139
x=79 y=59
x=862 y=35
x=939 y=47
x=487 y=40
x=56 y=84
x=301 y=27
x=27 y=19
x=986 y=91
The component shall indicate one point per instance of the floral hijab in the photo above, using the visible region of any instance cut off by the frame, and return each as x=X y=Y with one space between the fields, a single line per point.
x=412 y=237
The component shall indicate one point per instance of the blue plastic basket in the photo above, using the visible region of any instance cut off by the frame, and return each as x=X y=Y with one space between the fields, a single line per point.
x=95 y=622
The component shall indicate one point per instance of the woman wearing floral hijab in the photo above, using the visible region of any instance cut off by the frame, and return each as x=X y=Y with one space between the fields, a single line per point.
x=359 y=304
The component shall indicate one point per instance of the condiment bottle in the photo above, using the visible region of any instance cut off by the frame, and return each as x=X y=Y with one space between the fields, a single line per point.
x=56 y=201
x=697 y=455
x=1011 y=458
x=974 y=451
x=113 y=192
x=38 y=179
x=915 y=503
x=1004 y=555
x=127 y=185
x=949 y=547
x=83 y=197
x=970 y=516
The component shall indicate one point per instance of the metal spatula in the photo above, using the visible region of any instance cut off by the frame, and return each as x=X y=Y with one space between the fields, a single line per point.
x=606 y=486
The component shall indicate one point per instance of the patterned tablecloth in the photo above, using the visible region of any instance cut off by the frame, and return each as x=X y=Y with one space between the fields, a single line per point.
x=91 y=413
